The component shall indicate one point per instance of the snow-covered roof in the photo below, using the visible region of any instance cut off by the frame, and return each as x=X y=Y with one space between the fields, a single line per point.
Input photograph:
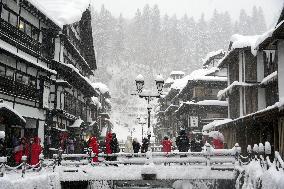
x=278 y=105
x=61 y=12
x=3 y=105
x=77 y=123
x=215 y=123
x=102 y=87
x=14 y=51
x=270 y=78
x=212 y=54
x=169 y=80
x=228 y=90
x=177 y=73
x=212 y=103
x=241 y=41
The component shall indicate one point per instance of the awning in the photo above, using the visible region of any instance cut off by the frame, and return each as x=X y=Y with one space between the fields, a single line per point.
x=77 y=123
x=11 y=114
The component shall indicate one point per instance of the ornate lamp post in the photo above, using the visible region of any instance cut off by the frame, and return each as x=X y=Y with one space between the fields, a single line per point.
x=148 y=96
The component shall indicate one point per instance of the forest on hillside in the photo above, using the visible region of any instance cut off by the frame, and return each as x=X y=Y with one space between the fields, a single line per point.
x=151 y=43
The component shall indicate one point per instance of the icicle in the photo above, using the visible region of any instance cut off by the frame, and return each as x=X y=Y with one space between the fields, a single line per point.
x=270 y=55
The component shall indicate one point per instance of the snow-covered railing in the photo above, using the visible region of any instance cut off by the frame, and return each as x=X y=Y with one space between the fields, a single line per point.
x=24 y=166
x=208 y=156
x=260 y=159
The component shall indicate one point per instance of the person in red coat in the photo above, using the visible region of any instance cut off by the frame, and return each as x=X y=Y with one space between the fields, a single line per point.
x=167 y=145
x=35 y=151
x=93 y=143
x=18 y=150
x=107 y=144
x=218 y=143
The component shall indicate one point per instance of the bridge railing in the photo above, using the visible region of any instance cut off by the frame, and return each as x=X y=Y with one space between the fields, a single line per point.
x=259 y=154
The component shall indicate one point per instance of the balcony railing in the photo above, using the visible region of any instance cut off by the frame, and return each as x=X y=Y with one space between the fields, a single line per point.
x=19 y=89
x=18 y=38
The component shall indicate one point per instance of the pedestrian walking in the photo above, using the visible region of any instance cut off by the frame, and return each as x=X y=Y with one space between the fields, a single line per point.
x=145 y=145
x=136 y=145
x=167 y=145
x=94 y=145
x=17 y=150
x=70 y=145
x=2 y=144
x=36 y=150
x=182 y=142
x=128 y=145
x=107 y=145
x=114 y=146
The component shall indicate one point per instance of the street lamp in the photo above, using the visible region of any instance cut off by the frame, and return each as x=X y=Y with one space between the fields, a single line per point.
x=148 y=96
x=142 y=123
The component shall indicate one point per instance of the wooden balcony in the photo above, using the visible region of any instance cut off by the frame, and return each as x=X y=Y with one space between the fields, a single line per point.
x=18 y=89
x=19 y=39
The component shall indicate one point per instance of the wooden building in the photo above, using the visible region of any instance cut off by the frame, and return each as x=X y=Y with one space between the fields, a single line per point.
x=45 y=71
x=255 y=90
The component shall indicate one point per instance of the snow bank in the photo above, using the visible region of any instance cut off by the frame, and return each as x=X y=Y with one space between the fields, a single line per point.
x=62 y=12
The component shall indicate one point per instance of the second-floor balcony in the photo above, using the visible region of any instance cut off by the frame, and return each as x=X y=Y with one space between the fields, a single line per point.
x=19 y=89
x=15 y=37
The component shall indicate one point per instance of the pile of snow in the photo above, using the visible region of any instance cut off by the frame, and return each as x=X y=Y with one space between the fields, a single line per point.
x=241 y=41
x=216 y=135
x=169 y=81
x=96 y=102
x=212 y=54
x=62 y=12
x=101 y=87
x=197 y=75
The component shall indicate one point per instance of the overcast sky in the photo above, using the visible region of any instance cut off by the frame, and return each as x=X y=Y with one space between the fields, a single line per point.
x=192 y=7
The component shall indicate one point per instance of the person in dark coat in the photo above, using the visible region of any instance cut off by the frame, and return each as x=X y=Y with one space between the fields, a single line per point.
x=182 y=142
x=2 y=147
x=145 y=145
x=136 y=145
x=114 y=146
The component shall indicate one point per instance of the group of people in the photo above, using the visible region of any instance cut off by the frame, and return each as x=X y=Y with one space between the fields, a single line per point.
x=133 y=146
x=111 y=146
x=31 y=148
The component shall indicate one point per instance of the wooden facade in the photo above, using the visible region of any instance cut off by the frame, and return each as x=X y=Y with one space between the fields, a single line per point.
x=256 y=99
x=44 y=71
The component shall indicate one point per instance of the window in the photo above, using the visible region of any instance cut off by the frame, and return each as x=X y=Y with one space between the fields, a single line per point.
x=2 y=70
x=13 y=19
x=19 y=77
x=35 y=33
x=22 y=26
x=32 y=82
x=10 y=73
x=5 y=15
x=29 y=30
